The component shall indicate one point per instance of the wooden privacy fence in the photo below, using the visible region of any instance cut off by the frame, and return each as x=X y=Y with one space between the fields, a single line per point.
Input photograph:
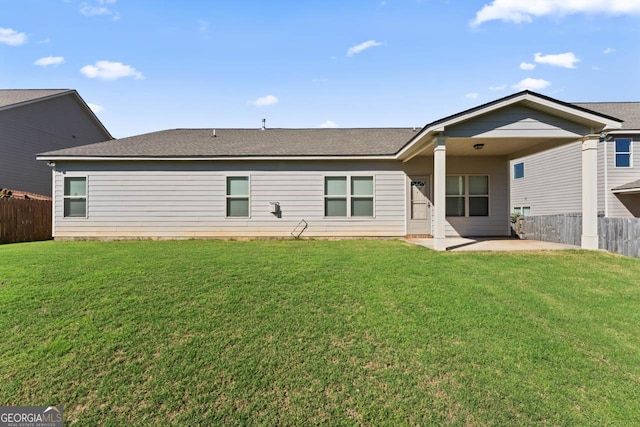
x=24 y=220
x=621 y=235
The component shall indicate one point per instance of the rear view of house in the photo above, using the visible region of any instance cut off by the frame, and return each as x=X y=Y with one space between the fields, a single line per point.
x=450 y=178
x=36 y=120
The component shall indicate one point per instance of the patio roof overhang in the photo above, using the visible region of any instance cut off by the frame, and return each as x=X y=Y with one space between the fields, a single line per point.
x=514 y=126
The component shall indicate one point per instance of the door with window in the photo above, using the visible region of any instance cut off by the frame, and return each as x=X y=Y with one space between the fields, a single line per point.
x=418 y=205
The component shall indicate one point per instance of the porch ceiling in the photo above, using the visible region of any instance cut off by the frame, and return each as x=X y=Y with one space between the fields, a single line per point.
x=508 y=147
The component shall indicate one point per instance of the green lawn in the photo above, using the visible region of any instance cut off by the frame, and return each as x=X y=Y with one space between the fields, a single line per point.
x=318 y=332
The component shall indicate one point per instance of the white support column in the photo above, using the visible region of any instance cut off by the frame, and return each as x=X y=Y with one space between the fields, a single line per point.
x=439 y=194
x=590 y=192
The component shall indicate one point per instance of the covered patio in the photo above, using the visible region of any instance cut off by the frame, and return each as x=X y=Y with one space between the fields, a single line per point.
x=497 y=244
x=509 y=128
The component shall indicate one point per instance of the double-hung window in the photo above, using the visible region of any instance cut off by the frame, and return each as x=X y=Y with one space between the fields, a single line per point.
x=75 y=196
x=623 y=152
x=238 y=196
x=467 y=195
x=348 y=196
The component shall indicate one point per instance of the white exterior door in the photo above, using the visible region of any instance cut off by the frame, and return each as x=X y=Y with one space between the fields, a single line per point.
x=419 y=205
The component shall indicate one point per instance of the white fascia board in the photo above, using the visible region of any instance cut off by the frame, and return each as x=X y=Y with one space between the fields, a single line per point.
x=433 y=130
x=624 y=132
x=575 y=111
x=627 y=190
x=191 y=159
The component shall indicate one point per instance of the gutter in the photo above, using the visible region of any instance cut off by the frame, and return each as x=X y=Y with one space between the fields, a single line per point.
x=243 y=158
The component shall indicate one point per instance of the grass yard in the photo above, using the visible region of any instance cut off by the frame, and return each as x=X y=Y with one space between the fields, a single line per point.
x=318 y=332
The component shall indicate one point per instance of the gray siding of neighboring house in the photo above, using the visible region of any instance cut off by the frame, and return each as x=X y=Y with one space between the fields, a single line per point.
x=37 y=127
x=622 y=205
x=187 y=199
x=552 y=182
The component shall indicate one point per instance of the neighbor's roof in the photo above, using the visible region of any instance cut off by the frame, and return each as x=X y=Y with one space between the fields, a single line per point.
x=249 y=143
x=12 y=97
x=627 y=111
x=633 y=185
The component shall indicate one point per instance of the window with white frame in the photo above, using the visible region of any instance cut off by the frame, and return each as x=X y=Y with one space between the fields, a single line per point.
x=522 y=210
x=348 y=196
x=623 y=152
x=75 y=196
x=238 y=196
x=467 y=195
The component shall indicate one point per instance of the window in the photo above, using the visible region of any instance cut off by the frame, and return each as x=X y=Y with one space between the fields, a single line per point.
x=238 y=196
x=348 y=196
x=623 y=152
x=518 y=170
x=467 y=195
x=75 y=197
x=524 y=211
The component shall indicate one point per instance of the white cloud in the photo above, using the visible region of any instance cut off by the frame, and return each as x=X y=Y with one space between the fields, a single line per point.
x=328 y=124
x=472 y=95
x=527 y=66
x=525 y=10
x=107 y=70
x=89 y=10
x=501 y=87
x=362 y=46
x=49 y=60
x=96 y=108
x=96 y=9
x=265 y=101
x=566 y=60
x=531 y=84
x=12 y=37
x=608 y=50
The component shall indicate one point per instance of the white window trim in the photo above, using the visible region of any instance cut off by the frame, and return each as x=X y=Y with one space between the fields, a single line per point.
x=616 y=152
x=520 y=210
x=348 y=196
x=86 y=195
x=227 y=197
x=467 y=196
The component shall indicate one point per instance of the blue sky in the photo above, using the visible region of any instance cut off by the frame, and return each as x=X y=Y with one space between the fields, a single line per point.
x=149 y=65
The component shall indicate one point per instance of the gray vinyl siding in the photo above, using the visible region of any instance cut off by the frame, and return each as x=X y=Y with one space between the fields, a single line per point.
x=187 y=199
x=621 y=205
x=166 y=199
x=553 y=181
x=517 y=122
x=34 y=128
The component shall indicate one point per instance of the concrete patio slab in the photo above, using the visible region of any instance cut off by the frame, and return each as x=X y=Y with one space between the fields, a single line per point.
x=459 y=244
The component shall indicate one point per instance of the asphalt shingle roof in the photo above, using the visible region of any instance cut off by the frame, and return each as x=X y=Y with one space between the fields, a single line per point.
x=249 y=142
x=17 y=96
x=627 y=111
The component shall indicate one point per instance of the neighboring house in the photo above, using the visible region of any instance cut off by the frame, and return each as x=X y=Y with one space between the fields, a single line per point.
x=36 y=120
x=449 y=178
x=549 y=182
